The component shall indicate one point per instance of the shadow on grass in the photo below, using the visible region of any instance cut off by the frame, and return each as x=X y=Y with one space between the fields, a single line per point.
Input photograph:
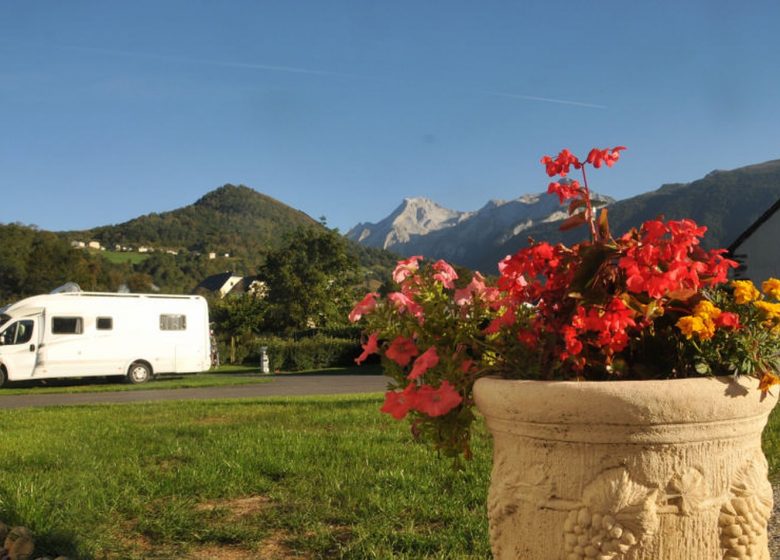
x=370 y=369
x=47 y=545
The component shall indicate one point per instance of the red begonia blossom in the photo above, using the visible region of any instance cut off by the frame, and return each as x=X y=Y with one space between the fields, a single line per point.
x=565 y=191
x=561 y=164
x=609 y=156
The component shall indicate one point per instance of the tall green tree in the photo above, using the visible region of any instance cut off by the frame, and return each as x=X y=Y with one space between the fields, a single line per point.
x=311 y=281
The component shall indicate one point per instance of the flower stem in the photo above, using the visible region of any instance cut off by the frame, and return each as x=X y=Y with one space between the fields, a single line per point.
x=594 y=233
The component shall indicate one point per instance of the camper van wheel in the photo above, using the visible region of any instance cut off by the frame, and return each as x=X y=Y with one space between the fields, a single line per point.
x=138 y=372
x=3 y=376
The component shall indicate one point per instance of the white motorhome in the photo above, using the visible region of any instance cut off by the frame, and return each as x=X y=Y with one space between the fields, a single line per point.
x=82 y=334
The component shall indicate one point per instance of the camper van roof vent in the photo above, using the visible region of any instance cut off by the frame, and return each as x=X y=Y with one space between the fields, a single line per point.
x=68 y=287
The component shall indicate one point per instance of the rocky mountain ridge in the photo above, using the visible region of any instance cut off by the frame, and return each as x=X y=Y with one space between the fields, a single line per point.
x=726 y=201
x=422 y=226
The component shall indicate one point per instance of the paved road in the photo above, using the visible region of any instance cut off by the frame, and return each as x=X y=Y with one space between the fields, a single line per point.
x=287 y=385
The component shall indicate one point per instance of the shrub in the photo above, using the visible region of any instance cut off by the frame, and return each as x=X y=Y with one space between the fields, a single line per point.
x=306 y=353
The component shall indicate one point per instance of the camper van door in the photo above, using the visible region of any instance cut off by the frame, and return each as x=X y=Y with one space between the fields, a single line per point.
x=19 y=343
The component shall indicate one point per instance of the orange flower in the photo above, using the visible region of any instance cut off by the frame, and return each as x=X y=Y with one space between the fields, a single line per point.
x=767 y=380
x=744 y=291
x=771 y=288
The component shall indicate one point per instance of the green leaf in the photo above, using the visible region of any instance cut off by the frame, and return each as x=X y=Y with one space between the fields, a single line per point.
x=703 y=368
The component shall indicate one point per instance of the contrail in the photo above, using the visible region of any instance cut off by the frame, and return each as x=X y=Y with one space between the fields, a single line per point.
x=544 y=99
x=294 y=70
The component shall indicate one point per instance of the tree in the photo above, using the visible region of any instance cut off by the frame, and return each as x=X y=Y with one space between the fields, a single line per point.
x=310 y=281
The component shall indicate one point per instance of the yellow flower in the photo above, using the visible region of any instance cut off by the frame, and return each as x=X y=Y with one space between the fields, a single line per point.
x=706 y=309
x=770 y=310
x=744 y=291
x=693 y=324
x=771 y=288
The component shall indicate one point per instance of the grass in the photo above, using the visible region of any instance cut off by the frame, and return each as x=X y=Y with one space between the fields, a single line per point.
x=307 y=478
x=119 y=257
x=324 y=477
x=223 y=375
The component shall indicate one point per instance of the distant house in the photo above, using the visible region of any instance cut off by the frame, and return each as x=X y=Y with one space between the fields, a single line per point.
x=252 y=285
x=221 y=284
x=94 y=244
x=757 y=250
x=227 y=283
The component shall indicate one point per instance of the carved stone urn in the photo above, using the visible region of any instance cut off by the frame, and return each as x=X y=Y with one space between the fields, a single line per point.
x=634 y=470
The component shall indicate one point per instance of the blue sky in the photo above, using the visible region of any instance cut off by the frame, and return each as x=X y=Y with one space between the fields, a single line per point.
x=110 y=110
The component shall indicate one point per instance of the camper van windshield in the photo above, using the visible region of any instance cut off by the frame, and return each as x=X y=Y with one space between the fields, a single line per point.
x=4 y=319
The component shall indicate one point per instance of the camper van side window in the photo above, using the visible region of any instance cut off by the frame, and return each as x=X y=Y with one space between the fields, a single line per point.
x=105 y=323
x=173 y=322
x=66 y=325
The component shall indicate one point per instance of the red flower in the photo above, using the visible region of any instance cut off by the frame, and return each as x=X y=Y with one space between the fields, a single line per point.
x=727 y=320
x=437 y=402
x=565 y=191
x=370 y=347
x=401 y=351
x=398 y=404
x=573 y=344
x=406 y=268
x=404 y=304
x=507 y=319
x=424 y=362
x=445 y=274
x=364 y=307
x=561 y=164
x=596 y=157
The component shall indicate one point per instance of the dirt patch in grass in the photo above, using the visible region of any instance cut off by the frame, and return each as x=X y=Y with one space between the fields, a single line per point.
x=223 y=552
x=236 y=508
x=272 y=548
x=275 y=548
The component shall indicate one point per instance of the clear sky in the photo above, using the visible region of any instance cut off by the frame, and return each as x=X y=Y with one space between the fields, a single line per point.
x=110 y=110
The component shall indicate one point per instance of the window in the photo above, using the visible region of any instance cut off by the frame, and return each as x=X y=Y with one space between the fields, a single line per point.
x=105 y=323
x=17 y=333
x=66 y=325
x=173 y=322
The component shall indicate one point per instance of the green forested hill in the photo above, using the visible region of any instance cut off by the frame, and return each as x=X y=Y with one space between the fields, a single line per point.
x=727 y=202
x=233 y=219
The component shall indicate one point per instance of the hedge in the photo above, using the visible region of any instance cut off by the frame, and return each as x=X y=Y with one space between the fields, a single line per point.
x=315 y=352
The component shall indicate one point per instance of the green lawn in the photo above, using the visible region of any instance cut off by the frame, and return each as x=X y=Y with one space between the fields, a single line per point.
x=225 y=375
x=325 y=477
x=118 y=257
x=311 y=478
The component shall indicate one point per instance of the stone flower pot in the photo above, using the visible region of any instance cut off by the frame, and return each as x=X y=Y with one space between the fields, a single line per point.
x=635 y=470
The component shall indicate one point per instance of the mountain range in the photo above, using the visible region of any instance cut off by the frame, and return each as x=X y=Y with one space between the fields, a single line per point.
x=727 y=202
